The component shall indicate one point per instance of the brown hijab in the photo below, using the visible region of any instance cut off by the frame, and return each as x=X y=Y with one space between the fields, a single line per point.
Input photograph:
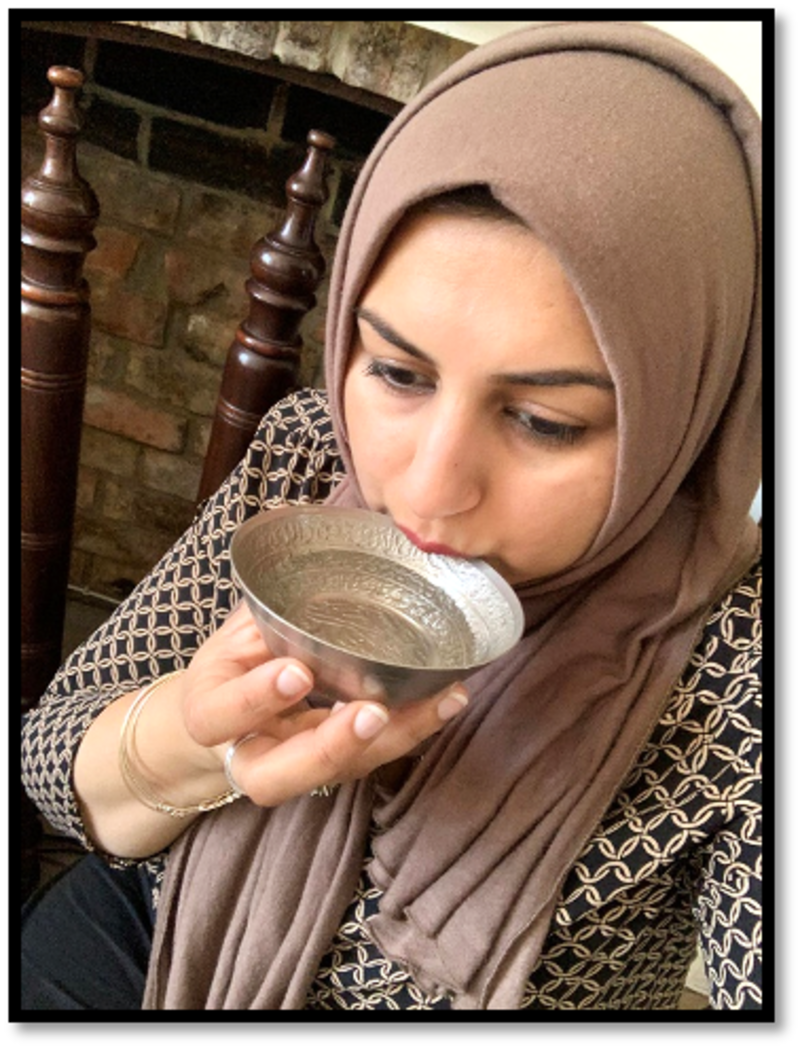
x=638 y=162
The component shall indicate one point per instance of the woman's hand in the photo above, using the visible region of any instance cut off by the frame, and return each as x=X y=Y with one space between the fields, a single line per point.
x=234 y=688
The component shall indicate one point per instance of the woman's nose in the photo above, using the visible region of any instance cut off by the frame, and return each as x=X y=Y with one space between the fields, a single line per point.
x=446 y=474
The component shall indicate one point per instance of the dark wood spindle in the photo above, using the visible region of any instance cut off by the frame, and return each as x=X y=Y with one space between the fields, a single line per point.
x=262 y=365
x=59 y=212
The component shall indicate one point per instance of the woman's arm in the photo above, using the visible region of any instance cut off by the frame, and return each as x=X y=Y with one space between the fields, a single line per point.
x=233 y=688
x=183 y=600
x=181 y=616
x=115 y=819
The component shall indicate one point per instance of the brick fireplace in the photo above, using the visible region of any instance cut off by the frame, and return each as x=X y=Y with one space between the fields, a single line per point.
x=191 y=130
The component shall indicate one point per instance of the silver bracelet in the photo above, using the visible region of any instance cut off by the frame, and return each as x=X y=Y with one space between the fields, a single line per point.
x=138 y=786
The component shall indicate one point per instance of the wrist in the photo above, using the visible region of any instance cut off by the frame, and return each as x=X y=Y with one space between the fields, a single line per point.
x=162 y=766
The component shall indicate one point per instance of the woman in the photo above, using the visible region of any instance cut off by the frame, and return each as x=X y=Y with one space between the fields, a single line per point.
x=543 y=351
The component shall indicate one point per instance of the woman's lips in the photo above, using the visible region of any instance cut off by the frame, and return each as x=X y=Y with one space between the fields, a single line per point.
x=431 y=548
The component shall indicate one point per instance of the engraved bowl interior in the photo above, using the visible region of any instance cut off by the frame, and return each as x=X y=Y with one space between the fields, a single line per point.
x=348 y=594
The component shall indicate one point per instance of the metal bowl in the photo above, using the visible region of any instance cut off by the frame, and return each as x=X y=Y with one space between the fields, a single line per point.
x=370 y=614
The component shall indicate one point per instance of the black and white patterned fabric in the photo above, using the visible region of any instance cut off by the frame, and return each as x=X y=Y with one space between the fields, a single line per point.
x=679 y=852
x=677 y=856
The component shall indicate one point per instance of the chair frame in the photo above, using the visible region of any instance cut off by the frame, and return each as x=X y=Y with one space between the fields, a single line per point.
x=59 y=213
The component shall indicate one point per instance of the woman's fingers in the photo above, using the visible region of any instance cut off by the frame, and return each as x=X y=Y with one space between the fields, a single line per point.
x=409 y=725
x=234 y=689
x=271 y=771
x=346 y=744
x=218 y=711
x=237 y=645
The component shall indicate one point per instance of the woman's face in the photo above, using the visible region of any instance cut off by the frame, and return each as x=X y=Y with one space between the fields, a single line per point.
x=480 y=412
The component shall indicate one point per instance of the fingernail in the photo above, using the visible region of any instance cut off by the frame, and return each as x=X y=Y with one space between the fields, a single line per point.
x=338 y=706
x=369 y=721
x=291 y=682
x=451 y=705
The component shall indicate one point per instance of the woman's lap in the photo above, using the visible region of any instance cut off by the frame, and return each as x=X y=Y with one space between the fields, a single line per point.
x=86 y=940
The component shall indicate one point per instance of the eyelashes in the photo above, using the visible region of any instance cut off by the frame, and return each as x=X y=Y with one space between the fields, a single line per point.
x=406 y=382
x=546 y=429
x=402 y=380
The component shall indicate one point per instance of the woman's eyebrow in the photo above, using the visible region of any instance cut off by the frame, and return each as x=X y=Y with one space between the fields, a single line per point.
x=544 y=377
x=557 y=377
x=385 y=331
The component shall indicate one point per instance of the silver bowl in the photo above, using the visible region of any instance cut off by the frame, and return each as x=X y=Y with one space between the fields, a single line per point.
x=370 y=614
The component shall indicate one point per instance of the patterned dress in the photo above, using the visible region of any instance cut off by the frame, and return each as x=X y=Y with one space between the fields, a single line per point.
x=677 y=856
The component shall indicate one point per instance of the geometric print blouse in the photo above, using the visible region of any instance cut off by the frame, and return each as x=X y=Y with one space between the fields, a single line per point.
x=675 y=861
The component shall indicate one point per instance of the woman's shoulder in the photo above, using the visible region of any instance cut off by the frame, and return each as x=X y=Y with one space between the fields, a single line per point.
x=710 y=731
x=293 y=457
x=744 y=596
x=699 y=771
x=301 y=418
x=719 y=691
x=730 y=643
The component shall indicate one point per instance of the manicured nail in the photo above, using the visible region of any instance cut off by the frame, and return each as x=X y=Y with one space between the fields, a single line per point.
x=369 y=721
x=291 y=682
x=451 y=705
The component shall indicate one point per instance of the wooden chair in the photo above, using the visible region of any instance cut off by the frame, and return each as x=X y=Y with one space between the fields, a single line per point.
x=59 y=212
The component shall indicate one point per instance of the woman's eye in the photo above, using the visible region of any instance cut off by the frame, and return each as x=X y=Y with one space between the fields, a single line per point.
x=536 y=428
x=398 y=378
x=542 y=429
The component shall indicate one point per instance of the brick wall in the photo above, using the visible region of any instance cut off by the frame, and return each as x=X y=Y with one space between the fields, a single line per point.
x=188 y=158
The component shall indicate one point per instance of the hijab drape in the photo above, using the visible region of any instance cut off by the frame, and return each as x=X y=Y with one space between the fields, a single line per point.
x=638 y=163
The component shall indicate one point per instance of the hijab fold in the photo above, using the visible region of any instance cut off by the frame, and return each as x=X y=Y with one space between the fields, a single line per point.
x=638 y=163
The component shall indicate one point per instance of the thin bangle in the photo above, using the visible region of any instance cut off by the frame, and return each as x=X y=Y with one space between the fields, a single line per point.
x=138 y=786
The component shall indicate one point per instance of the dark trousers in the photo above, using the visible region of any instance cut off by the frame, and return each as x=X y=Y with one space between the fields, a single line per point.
x=86 y=939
